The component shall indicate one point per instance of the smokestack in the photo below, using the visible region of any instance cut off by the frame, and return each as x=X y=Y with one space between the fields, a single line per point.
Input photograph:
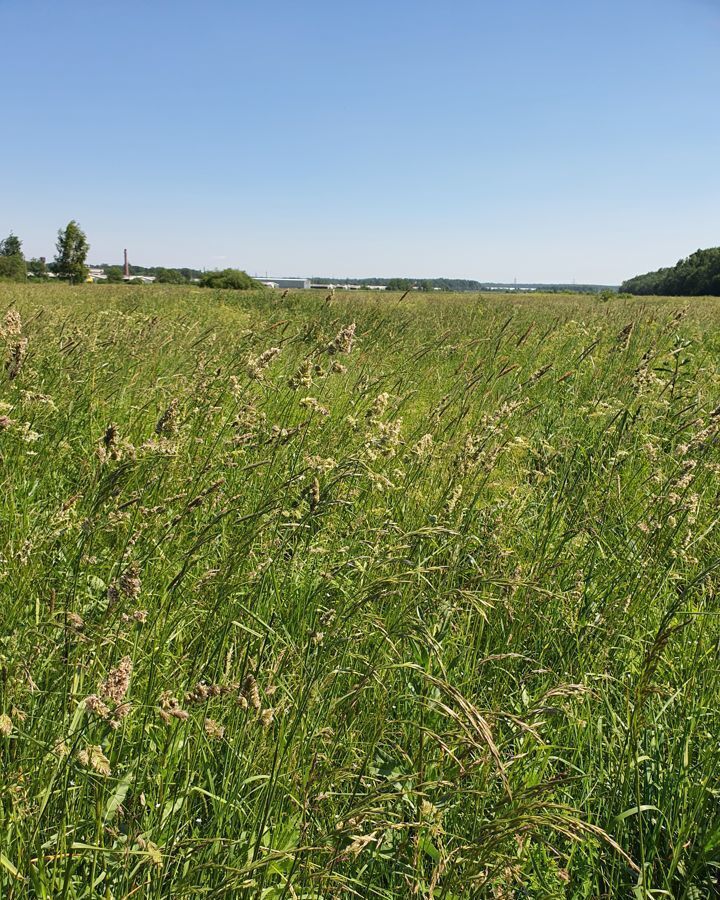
x=127 y=265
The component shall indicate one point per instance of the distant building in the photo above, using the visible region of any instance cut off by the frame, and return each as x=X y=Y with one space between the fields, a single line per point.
x=146 y=279
x=347 y=287
x=95 y=274
x=297 y=283
x=270 y=284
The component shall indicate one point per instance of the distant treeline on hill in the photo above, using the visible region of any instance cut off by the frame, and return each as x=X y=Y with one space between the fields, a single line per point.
x=463 y=284
x=696 y=275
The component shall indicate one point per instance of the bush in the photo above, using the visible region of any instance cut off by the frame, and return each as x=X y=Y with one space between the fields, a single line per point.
x=231 y=279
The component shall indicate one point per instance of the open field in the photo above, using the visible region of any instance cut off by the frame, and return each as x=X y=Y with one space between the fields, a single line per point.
x=430 y=610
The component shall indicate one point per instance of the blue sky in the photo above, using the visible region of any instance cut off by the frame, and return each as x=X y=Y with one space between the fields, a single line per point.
x=543 y=141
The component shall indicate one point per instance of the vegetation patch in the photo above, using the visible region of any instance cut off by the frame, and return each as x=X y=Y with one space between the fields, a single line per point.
x=360 y=595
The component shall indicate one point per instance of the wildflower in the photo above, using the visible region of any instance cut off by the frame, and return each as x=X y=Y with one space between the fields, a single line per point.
x=117 y=682
x=6 y=422
x=6 y=725
x=214 y=730
x=94 y=758
x=337 y=368
x=256 y=366
x=343 y=340
x=267 y=717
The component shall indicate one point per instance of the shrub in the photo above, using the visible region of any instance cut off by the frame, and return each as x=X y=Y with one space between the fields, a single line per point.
x=231 y=279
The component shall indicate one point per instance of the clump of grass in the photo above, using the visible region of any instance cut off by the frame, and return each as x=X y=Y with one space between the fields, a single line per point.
x=435 y=620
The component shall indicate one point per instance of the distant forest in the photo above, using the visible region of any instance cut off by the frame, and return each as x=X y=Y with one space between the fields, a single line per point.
x=696 y=275
x=463 y=284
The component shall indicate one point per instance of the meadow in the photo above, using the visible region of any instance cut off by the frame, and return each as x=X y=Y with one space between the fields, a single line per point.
x=358 y=596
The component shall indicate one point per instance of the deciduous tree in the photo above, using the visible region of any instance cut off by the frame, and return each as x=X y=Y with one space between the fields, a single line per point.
x=72 y=251
x=11 y=246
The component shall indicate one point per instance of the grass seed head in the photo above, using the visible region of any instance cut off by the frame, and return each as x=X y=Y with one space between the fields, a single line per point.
x=250 y=693
x=167 y=424
x=11 y=325
x=130 y=583
x=169 y=707
x=93 y=758
x=117 y=683
x=343 y=340
x=16 y=358
x=256 y=366
x=214 y=730
x=97 y=706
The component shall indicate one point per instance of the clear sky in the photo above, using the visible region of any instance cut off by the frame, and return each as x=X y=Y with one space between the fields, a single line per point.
x=489 y=139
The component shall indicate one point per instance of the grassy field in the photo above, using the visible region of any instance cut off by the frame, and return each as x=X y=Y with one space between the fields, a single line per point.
x=308 y=598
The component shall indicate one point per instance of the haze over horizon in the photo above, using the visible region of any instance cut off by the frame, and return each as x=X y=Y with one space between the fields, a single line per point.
x=547 y=143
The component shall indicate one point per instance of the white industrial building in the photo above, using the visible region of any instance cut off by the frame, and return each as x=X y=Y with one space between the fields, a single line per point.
x=297 y=283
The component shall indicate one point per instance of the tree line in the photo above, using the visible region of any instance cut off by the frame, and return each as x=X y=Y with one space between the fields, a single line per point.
x=70 y=264
x=71 y=252
x=696 y=275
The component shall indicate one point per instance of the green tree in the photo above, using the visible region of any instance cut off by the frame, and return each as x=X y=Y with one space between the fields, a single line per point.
x=399 y=284
x=12 y=263
x=12 y=268
x=696 y=275
x=169 y=276
x=11 y=246
x=114 y=274
x=37 y=267
x=72 y=251
x=233 y=279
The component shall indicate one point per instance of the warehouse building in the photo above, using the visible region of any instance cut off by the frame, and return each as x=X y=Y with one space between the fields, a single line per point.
x=297 y=283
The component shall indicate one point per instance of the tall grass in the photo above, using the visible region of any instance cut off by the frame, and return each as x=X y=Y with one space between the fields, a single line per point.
x=424 y=609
